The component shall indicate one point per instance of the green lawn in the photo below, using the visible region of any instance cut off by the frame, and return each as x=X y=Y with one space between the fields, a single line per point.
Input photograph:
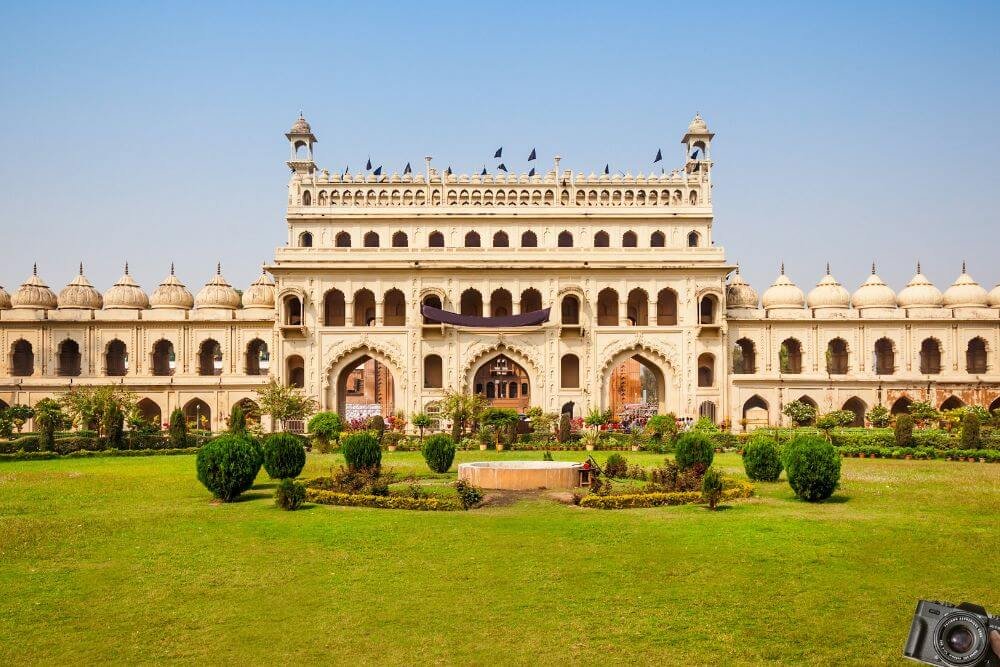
x=126 y=560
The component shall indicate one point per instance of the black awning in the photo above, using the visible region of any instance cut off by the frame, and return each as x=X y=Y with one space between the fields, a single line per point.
x=531 y=319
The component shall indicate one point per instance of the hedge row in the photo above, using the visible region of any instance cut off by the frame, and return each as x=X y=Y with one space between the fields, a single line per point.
x=88 y=454
x=989 y=455
x=884 y=437
x=75 y=442
x=634 y=500
x=430 y=504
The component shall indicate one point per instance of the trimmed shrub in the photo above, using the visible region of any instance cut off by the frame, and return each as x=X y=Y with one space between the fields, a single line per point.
x=362 y=451
x=325 y=427
x=694 y=451
x=620 y=501
x=429 y=504
x=237 y=421
x=813 y=467
x=116 y=428
x=616 y=466
x=284 y=455
x=228 y=465
x=969 y=436
x=469 y=494
x=289 y=494
x=178 y=429
x=662 y=427
x=761 y=459
x=439 y=452
x=904 y=431
x=565 y=424
x=711 y=487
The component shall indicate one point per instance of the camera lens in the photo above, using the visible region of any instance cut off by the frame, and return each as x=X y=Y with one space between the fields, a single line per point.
x=960 y=639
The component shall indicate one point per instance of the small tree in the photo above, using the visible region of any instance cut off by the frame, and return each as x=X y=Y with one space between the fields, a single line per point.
x=800 y=412
x=662 y=427
x=879 y=416
x=711 y=487
x=694 y=451
x=284 y=455
x=832 y=420
x=98 y=406
x=237 y=420
x=761 y=459
x=923 y=412
x=969 y=436
x=439 y=452
x=49 y=418
x=904 y=431
x=565 y=426
x=19 y=415
x=283 y=403
x=813 y=467
x=326 y=428
x=178 y=429
x=115 y=426
x=503 y=420
x=597 y=418
x=421 y=420
x=228 y=465
x=361 y=451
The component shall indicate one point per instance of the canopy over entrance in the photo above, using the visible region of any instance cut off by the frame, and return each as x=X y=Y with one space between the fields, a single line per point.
x=524 y=320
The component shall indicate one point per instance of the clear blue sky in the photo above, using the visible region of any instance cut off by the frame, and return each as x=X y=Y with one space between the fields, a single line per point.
x=846 y=132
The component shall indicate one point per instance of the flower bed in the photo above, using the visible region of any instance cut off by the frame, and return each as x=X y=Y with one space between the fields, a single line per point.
x=428 y=504
x=634 y=500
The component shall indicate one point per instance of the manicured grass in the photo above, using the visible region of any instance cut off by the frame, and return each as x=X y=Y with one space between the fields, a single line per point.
x=126 y=560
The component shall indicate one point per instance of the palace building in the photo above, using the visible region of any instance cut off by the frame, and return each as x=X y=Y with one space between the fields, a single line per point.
x=559 y=290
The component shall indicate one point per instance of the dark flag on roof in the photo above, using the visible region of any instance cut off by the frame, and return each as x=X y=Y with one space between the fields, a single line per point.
x=532 y=156
x=659 y=156
x=499 y=152
x=407 y=170
x=694 y=154
x=369 y=165
x=606 y=170
x=483 y=173
x=448 y=171
x=378 y=172
x=532 y=172
x=502 y=167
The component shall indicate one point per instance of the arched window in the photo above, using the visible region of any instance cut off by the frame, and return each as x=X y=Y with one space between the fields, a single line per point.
x=630 y=240
x=930 y=357
x=293 y=311
x=901 y=406
x=693 y=239
x=500 y=240
x=706 y=370
x=432 y=300
x=472 y=240
x=197 y=414
x=975 y=356
x=433 y=372
x=334 y=308
x=295 y=368
x=400 y=240
x=569 y=372
x=607 y=308
x=529 y=240
x=305 y=240
x=666 y=307
x=69 y=358
x=258 y=359
x=707 y=309
x=22 y=359
x=364 y=308
x=744 y=357
x=952 y=403
x=371 y=240
x=790 y=356
x=565 y=239
x=501 y=303
x=163 y=361
x=116 y=359
x=602 y=240
x=859 y=408
x=342 y=240
x=435 y=240
x=570 y=309
x=885 y=357
x=394 y=309
x=471 y=303
x=209 y=358
x=637 y=308
x=307 y=198
x=531 y=300
x=657 y=240
x=837 y=357
x=707 y=411
x=757 y=410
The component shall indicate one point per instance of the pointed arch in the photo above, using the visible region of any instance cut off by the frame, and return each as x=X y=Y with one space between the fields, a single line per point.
x=163 y=360
x=209 y=357
x=976 y=356
x=790 y=356
x=394 y=308
x=637 y=307
x=529 y=239
x=706 y=369
x=744 y=357
x=607 y=307
x=756 y=411
x=198 y=414
x=472 y=240
x=930 y=356
x=258 y=358
x=22 y=359
x=630 y=239
x=69 y=358
x=501 y=240
x=657 y=239
x=565 y=239
x=334 y=308
x=150 y=412
x=364 y=308
x=471 y=303
x=885 y=356
x=859 y=408
x=116 y=358
x=952 y=403
x=342 y=240
x=531 y=300
x=435 y=240
x=901 y=406
x=400 y=240
x=837 y=357
x=666 y=307
x=501 y=303
x=602 y=240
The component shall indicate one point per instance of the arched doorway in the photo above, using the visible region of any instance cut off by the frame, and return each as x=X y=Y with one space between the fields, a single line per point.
x=901 y=406
x=858 y=407
x=251 y=411
x=150 y=412
x=365 y=387
x=197 y=414
x=504 y=383
x=636 y=388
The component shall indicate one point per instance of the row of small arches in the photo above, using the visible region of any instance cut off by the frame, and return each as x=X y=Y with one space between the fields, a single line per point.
x=501 y=239
x=884 y=355
x=860 y=409
x=511 y=197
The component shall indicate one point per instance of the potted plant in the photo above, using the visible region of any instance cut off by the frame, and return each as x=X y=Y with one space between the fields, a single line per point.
x=590 y=440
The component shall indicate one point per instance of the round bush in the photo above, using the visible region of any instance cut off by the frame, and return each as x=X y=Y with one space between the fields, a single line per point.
x=694 y=451
x=813 y=467
x=326 y=426
x=228 y=465
x=362 y=451
x=284 y=455
x=289 y=494
x=439 y=452
x=761 y=459
x=712 y=487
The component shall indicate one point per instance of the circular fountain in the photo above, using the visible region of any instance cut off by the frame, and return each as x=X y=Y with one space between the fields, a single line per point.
x=521 y=475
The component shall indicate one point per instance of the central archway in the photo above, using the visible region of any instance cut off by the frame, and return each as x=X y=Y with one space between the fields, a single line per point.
x=365 y=387
x=503 y=382
x=636 y=387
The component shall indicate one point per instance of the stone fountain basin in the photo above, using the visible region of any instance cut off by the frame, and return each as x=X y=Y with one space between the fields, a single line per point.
x=521 y=475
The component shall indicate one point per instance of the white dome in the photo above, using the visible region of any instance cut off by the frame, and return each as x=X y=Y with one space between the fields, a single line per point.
x=172 y=294
x=79 y=293
x=4 y=299
x=994 y=297
x=34 y=293
x=966 y=293
x=260 y=294
x=217 y=293
x=919 y=293
x=874 y=293
x=125 y=295
x=739 y=293
x=698 y=125
x=828 y=293
x=783 y=294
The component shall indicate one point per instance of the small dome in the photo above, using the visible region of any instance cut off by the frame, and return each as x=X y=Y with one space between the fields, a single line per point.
x=828 y=293
x=260 y=294
x=125 y=295
x=4 y=299
x=217 y=293
x=874 y=293
x=965 y=293
x=994 y=297
x=80 y=294
x=919 y=293
x=698 y=125
x=783 y=294
x=172 y=294
x=300 y=126
x=34 y=293
x=739 y=293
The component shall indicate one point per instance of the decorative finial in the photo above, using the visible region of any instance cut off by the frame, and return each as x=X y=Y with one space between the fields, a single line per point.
x=782 y=267
x=963 y=266
x=263 y=268
x=300 y=114
x=218 y=268
x=873 y=268
x=81 y=268
x=737 y=268
x=918 y=267
x=828 y=268
x=34 y=269
x=171 y=268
